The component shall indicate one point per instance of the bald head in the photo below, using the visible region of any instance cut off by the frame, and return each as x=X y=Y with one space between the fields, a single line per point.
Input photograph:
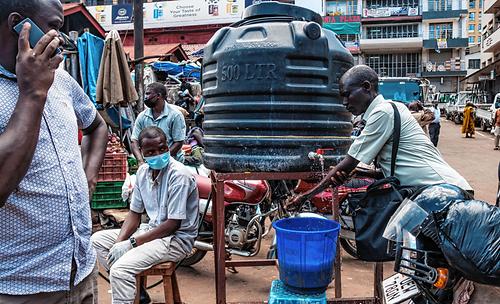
x=359 y=74
x=358 y=87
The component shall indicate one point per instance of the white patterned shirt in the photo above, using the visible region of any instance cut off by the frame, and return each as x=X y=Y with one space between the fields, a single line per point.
x=45 y=223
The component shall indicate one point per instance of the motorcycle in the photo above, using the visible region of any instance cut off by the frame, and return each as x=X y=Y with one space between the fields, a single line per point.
x=247 y=206
x=441 y=238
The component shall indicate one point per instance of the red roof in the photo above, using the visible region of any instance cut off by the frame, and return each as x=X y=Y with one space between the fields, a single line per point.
x=73 y=8
x=160 y=50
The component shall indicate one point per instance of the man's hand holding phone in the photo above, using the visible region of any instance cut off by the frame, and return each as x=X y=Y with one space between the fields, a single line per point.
x=35 y=67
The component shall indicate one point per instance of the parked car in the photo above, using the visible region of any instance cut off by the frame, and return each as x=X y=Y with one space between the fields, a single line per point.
x=449 y=106
x=454 y=110
x=485 y=116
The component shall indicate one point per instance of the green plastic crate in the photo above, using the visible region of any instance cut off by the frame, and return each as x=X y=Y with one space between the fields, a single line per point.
x=108 y=195
x=132 y=165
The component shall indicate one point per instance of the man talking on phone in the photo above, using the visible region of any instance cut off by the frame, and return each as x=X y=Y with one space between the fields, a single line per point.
x=45 y=179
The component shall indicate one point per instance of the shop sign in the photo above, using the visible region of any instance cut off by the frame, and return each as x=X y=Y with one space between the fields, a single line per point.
x=389 y=12
x=342 y=19
x=442 y=44
x=171 y=13
x=100 y=14
x=352 y=46
x=122 y=13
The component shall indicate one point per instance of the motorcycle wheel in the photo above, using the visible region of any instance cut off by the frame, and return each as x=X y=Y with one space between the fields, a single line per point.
x=350 y=247
x=194 y=257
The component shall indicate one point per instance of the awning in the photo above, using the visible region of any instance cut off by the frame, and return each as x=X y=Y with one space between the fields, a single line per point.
x=344 y=28
x=482 y=73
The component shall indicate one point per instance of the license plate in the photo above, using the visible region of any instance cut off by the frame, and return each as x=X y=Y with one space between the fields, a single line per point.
x=399 y=288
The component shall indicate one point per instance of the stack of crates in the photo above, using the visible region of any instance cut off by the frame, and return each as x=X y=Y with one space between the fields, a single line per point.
x=108 y=192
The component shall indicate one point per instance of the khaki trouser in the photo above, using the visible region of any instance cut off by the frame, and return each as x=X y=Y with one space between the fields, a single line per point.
x=122 y=273
x=83 y=293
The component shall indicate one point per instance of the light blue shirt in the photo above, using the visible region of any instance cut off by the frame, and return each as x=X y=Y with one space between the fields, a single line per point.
x=45 y=223
x=172 y=195
x=171 y=121
x=437 y=115
x=418 y=162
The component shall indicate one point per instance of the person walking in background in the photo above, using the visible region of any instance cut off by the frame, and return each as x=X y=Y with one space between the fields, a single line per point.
x=423 y=116
x=468 y=125
x=496 y=132
x=435 y=126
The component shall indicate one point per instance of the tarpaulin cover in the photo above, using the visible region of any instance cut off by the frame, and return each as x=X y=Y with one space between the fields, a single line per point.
x=172 y=68
x=470 y=238
x=90 y=50
x=344 y=27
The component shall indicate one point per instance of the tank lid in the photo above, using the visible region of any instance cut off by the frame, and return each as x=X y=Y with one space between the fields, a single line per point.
x=273 y=9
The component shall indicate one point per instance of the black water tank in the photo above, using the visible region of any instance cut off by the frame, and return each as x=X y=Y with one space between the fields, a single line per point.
x=271 y=84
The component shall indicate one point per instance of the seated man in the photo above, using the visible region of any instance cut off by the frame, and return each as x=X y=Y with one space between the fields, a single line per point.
x=168 y=193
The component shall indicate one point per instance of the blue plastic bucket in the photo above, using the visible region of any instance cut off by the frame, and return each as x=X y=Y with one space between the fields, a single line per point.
x=306 y=252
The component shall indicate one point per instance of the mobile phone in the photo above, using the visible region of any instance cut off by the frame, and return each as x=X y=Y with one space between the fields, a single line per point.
x=35 y=33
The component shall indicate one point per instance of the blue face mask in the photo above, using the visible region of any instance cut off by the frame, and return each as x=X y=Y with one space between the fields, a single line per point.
x=158 y=162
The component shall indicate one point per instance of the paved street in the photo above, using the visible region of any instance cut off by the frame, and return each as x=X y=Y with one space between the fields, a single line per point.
x=473 y=158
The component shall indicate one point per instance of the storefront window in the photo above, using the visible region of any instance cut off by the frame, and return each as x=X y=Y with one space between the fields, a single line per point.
x=394 y=65
x=392 y=31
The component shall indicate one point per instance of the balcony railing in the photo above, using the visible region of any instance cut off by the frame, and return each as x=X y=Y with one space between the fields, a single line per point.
x=379 y=35
x=384 y=12
x=452 y=65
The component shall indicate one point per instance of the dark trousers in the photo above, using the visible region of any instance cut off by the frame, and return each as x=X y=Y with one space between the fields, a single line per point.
x=434 y=129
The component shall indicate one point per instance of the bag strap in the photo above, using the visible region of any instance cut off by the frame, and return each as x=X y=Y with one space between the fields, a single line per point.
x=395 y=137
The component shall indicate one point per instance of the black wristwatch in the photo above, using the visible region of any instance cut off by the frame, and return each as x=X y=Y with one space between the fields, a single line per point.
x=133 y=241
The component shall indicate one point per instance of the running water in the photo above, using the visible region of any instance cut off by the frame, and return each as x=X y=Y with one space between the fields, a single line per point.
x=322 y=164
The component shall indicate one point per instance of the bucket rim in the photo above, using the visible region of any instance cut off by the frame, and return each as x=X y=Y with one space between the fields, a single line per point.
x=336 y=228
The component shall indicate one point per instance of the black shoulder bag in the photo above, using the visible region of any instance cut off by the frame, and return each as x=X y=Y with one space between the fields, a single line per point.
x=373 y=211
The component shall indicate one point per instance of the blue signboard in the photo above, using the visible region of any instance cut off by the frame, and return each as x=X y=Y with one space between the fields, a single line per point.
x=122 y=13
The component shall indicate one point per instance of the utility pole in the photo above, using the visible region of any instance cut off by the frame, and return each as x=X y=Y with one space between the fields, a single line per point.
x=139 y=51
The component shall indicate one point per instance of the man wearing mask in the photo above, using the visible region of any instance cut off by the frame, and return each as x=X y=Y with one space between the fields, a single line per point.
x=164 y=116
x=167 y=191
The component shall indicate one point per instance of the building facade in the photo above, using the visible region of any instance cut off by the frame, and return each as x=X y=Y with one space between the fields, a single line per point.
x=474 y=21
x=486 y=80
x=397 y=38
x=391 y=39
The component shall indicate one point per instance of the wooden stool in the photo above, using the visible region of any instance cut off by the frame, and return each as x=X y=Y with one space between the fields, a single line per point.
x=170 y=286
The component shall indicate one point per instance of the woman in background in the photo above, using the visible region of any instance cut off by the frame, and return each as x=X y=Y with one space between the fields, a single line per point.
x=468 y=125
